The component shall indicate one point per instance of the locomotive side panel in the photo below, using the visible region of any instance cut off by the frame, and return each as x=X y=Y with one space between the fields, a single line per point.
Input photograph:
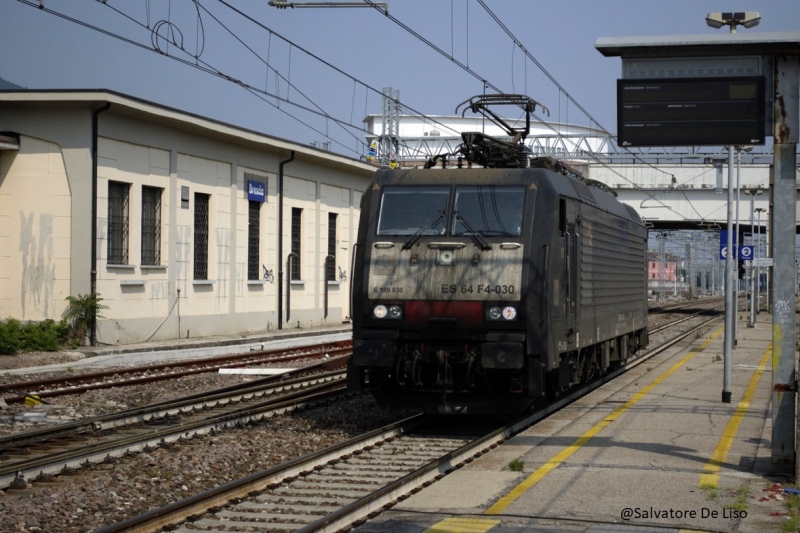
x=612 y=276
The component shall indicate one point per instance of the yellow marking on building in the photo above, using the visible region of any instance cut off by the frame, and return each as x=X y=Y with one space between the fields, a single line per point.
x=710 y=476
x=553 y=463
x=463 y=525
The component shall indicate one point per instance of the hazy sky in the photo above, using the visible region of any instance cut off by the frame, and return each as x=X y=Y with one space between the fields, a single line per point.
x=41 y=50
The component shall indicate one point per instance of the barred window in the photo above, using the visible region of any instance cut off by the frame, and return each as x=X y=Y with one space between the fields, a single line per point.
x=201 y=235
x=151 y=225
x=118 y=194
x=296 y=220
x=330 y=266
x=253 y=240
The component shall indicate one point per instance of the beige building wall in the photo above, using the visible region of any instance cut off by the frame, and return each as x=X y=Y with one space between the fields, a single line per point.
x=337 y=200
x=35 y=220
x=256 y=296
x=132 y=289
x=140 y=297
x=46 y=214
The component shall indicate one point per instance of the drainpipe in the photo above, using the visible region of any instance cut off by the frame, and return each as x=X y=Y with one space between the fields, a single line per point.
x=93 y=279
x=280 y=239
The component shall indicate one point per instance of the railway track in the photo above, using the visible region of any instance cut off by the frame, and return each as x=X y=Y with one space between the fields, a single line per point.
x=345 y=484
x=62 y=385
x=714 y=310
x=679 y=307
x=38 y=455
x=42 y=453
x=14 y=393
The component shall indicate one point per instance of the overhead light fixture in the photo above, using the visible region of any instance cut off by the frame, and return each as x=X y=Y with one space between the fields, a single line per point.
x=748 y=19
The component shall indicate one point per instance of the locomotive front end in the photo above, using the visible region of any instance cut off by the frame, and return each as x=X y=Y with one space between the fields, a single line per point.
x=439 y=303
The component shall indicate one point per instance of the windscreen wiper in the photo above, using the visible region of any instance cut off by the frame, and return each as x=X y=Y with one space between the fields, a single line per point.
x=414 y=238
x=476 y=237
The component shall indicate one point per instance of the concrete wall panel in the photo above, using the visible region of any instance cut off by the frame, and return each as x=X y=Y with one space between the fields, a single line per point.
x=34 y=195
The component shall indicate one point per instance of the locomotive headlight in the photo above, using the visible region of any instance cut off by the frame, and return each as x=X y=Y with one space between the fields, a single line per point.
x=509 y=313
x=501 y=313
x=395 y=311
x=446 y=256
x=380 y=311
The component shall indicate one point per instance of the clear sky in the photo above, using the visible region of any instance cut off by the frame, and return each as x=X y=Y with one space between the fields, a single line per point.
x=41 y=50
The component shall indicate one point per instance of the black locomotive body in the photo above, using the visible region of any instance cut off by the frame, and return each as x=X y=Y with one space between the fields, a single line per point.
x=485 y=290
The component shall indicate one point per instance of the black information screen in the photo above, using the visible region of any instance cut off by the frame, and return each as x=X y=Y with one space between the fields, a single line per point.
x=690 y=111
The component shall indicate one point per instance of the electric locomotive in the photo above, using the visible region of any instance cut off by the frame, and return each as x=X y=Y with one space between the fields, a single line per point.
x=479 y=290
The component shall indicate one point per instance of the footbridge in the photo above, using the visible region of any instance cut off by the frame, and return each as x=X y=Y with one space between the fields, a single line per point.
x=687 y=196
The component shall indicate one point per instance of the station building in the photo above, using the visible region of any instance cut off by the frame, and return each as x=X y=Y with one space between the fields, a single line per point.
x=171 y=218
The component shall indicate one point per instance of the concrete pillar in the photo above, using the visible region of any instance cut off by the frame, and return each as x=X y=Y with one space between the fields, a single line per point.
x=787 y=74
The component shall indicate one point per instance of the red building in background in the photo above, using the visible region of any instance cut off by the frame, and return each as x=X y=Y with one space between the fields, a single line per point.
x=656 y=270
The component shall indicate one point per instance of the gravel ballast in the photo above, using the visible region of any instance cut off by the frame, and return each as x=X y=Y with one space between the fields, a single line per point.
x=103 y=494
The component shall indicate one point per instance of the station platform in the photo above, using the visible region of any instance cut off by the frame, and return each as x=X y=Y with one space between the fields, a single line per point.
x=653 y=451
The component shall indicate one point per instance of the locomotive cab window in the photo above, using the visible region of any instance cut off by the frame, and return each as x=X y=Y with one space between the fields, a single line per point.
x=488 y=210
x=413 y=210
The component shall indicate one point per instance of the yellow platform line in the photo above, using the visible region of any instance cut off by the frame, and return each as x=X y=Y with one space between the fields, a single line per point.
x=463 y=525
x=553 y=463
x=710 y=476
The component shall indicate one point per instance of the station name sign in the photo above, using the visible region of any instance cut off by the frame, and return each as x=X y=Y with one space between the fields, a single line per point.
x=715 y=111
x=256 y=191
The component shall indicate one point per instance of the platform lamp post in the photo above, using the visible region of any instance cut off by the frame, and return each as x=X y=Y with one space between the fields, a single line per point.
x=730 y=309
x=718 y=20
x=752 y=193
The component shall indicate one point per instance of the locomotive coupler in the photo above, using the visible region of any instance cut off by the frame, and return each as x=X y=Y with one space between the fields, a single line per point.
x=444 y=375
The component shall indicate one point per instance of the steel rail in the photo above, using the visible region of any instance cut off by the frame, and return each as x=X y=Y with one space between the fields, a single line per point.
x=332 y=384
x=101 y=379
x=664 y=309
x=201 y=400
x=685 y=319
x=240 y=488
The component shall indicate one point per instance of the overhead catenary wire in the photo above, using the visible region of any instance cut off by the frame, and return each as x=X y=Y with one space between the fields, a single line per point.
x=202 y=66
x=199 y=51
x=256 y=91
x=487 y=83
x=569 y=97
x=335 y=68
x=561 y=89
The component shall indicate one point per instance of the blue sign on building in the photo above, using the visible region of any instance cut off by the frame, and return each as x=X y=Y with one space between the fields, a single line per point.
x=256 y=191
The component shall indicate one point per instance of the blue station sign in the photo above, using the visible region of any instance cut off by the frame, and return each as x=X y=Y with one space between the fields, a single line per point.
x=256 y=191
x=745 y=253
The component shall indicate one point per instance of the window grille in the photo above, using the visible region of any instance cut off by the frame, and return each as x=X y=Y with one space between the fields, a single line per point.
x=330 y=266
x=201 y=235
x=151 y=225
x=118 y=223
x=253 y=232
x=296 y=220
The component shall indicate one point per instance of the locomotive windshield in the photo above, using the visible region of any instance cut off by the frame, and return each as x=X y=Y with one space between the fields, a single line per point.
x=410 y=210
x=488 y=210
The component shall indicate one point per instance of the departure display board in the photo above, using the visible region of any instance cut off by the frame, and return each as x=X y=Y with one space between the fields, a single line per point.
x=690 y=111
